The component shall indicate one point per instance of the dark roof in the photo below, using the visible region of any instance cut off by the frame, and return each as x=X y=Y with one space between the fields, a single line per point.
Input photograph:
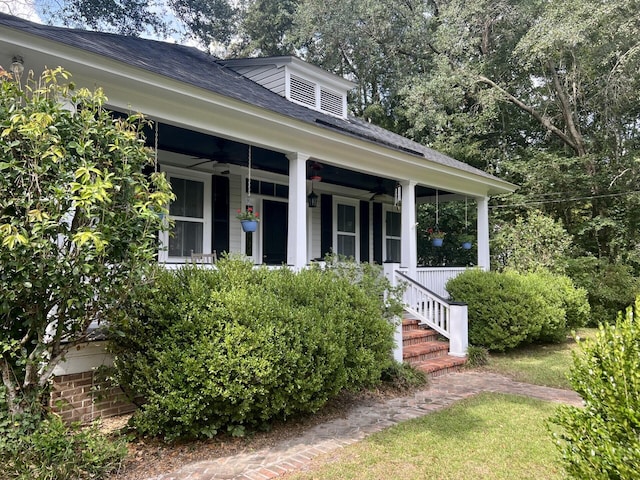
x=192 y=66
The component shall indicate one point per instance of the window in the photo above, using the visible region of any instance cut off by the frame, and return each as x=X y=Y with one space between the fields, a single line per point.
x=346 y=239
x=191 y=215
x=393 y=236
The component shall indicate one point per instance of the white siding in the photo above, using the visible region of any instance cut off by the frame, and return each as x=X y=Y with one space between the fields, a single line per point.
x=84 y=358
x=316 y=226
x=235 y=202
x=269 y=76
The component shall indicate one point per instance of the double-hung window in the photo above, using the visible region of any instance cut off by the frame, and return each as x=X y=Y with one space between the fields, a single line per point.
x=393 y=237
x=190 y=213
x=346 y=236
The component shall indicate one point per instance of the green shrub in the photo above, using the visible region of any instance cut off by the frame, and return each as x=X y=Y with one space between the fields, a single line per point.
x=404 y=376
x=602 y=440
x=54 y=450
x=234 y=348
x=507 y=309
x=502 y=314
x=477 y=356
x=611 y=287
x=530 y=243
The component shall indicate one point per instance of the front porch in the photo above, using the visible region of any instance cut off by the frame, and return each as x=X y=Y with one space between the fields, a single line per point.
x=309 y=206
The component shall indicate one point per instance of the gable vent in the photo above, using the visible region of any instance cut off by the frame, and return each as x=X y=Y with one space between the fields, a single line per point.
x=331 y=102
x=302 y=91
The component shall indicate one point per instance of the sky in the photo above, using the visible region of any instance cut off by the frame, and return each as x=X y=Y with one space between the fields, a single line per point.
x=20 y=8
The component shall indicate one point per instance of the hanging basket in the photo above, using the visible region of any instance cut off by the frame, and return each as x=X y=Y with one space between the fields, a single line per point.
x=466 y=245
x=437 y=242
x=249 y=225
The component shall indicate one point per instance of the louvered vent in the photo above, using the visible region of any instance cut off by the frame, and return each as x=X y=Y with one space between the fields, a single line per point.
x=331 y=102
x=303 y=91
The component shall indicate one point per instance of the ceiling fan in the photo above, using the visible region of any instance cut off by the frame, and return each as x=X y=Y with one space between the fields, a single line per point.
x=219 y=155
x=379 y=191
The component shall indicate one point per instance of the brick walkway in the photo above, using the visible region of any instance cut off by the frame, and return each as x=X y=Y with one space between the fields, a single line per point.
x=361 y=421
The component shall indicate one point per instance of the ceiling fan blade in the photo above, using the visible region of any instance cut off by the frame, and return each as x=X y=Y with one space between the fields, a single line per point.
x=208 y=160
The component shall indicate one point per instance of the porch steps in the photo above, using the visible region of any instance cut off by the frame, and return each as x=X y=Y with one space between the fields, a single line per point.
x=424 y=348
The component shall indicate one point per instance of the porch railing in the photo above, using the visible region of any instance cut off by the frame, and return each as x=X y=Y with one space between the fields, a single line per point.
x=447 y=318
x=435 y=278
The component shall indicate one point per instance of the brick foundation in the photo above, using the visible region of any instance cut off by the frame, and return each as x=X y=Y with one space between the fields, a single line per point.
x=72 y=396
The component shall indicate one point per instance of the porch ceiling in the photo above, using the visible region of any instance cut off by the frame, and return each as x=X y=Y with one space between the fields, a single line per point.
x=202 y=147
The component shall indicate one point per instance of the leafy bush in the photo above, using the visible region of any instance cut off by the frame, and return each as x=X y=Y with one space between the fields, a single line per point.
x=477 y=356
x=404 y=376
x=602 y=440
x=507 y=309
x=611 y=287
x=530 y=243
x=234 y=348
x=54 y=450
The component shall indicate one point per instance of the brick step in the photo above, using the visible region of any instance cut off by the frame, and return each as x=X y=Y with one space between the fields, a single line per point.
x=409 y=324
x=440 y=366
x=425 y=351
x=418 y=336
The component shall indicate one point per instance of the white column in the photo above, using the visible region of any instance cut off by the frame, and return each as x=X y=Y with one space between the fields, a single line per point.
x=409 y=242
x=459 y=329
x=297 y=235
x=483 y=233
x=390 y=273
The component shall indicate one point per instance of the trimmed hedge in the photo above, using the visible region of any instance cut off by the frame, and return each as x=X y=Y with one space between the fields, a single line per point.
x=236 y=348
x=602 y=439
x=507 y=309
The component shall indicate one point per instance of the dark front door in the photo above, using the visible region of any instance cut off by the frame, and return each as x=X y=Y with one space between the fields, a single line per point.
x=274 y=232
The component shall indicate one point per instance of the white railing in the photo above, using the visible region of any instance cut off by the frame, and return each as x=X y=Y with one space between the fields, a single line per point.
x=435 y=278
x=447 y=318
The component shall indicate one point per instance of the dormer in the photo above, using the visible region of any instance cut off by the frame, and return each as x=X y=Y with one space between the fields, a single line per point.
x=297 y=81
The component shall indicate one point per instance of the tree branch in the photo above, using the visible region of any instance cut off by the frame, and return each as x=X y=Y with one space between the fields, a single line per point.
x=10 y=386
x=567 y=114
x=544 y=120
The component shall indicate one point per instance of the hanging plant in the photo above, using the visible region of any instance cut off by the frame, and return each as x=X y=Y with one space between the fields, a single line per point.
x=248 y=214
x=249 y=219
x=436 y=236
x=466 y=241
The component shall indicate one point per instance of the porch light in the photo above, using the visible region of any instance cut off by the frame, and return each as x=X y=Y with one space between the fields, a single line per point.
x=17 y=66
x=312 y=198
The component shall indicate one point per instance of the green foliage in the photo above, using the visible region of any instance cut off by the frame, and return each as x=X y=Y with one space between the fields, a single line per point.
x=404 y=376
x=78 y=223
x=54 y=450
x=530 y=243
x=610 y=286
x=234 y=348
x=507 y=309
x=451 y=221
x=602 y=439
x=477 y=356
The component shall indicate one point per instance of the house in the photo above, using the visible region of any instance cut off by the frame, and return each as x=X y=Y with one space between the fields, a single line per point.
x=272 y=133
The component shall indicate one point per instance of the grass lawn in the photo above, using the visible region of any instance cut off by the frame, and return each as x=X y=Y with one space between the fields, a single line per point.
x=489 y=436
x=538 y=364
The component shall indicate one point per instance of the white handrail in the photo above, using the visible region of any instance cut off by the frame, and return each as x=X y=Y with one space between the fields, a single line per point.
x=447 y=318
x=435 y=278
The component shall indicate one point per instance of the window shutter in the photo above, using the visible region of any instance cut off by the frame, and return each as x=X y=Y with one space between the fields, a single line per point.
x=377 y=233
x=326 y=224
x=364 y=231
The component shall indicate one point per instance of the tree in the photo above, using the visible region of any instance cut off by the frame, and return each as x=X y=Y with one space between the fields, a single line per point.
x=266 y=28
x=79 y=223
x=552 y=88
x=531 y=243
x=208 y=22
